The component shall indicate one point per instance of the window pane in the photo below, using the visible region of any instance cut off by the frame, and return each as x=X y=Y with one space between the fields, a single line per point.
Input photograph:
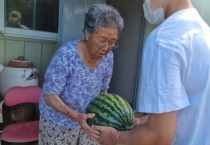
x=39 y=15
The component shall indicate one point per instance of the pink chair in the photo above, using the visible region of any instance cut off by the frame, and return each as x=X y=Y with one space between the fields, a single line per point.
x=24 y=131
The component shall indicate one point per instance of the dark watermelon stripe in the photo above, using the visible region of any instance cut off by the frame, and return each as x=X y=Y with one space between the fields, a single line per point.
x=127 y=110
x=104 y=101
x=111 y=110
x=131 y=116
x=117 y=107
x=103 y=123
x=109 y=122
x=123 y=103
x=116 y=119
x=97 y=108
x=124 y=112
x=128 y=113
x=106 y=107
x=110 y=106
x=102 y=111
x=120 y=100
x=104 y=117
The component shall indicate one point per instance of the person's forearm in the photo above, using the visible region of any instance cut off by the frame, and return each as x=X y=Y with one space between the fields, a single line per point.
x=57 y=104
x=141 y=135
x=158 y=130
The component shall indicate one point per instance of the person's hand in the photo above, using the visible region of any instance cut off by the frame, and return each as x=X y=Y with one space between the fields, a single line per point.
x=82 y=120
x=138 y=121
x=107 y=136
x=141 y=120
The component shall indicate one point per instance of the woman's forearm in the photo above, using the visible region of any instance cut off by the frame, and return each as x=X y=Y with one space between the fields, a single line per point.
x=58 y=105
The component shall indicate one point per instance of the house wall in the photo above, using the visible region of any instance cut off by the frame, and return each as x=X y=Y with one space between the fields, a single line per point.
x=37 y=51
x=127 y=55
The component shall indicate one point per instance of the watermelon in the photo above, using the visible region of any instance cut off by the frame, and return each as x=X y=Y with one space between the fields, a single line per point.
x=111 y=110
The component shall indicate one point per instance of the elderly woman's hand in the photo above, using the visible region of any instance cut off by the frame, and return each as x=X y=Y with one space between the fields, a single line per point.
x=82 y=120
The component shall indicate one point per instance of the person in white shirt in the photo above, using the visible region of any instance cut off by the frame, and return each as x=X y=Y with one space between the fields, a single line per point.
x=175 y=84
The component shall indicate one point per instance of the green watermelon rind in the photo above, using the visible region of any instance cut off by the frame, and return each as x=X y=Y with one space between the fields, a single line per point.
x=121 y=119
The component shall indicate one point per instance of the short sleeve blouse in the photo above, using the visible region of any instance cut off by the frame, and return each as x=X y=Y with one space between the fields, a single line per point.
x=75 y=83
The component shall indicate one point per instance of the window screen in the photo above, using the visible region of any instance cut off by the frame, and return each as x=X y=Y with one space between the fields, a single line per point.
x=41 y=15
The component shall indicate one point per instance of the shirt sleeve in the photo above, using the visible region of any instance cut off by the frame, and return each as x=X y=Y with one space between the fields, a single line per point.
x=162 y=88
x=58 y=71
x=108 y=72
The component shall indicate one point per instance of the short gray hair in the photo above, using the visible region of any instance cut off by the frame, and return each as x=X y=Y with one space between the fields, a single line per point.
x=102 y=15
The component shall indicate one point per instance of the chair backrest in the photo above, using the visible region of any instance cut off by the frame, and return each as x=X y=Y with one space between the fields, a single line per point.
x=20 y=95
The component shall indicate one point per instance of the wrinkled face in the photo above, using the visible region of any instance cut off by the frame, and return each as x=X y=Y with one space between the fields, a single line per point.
x=101 y=42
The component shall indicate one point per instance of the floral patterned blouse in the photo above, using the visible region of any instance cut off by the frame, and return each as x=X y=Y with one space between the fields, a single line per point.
x=76 y=84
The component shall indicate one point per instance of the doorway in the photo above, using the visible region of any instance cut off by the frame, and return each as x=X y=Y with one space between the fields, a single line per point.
x=127 y=57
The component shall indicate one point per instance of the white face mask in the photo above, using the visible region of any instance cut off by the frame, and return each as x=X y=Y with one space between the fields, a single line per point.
x=153 y=16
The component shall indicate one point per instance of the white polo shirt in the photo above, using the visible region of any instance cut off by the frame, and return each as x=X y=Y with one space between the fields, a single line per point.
x=176 y=75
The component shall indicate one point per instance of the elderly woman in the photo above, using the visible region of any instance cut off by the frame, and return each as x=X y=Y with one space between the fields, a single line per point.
x=79 y=71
